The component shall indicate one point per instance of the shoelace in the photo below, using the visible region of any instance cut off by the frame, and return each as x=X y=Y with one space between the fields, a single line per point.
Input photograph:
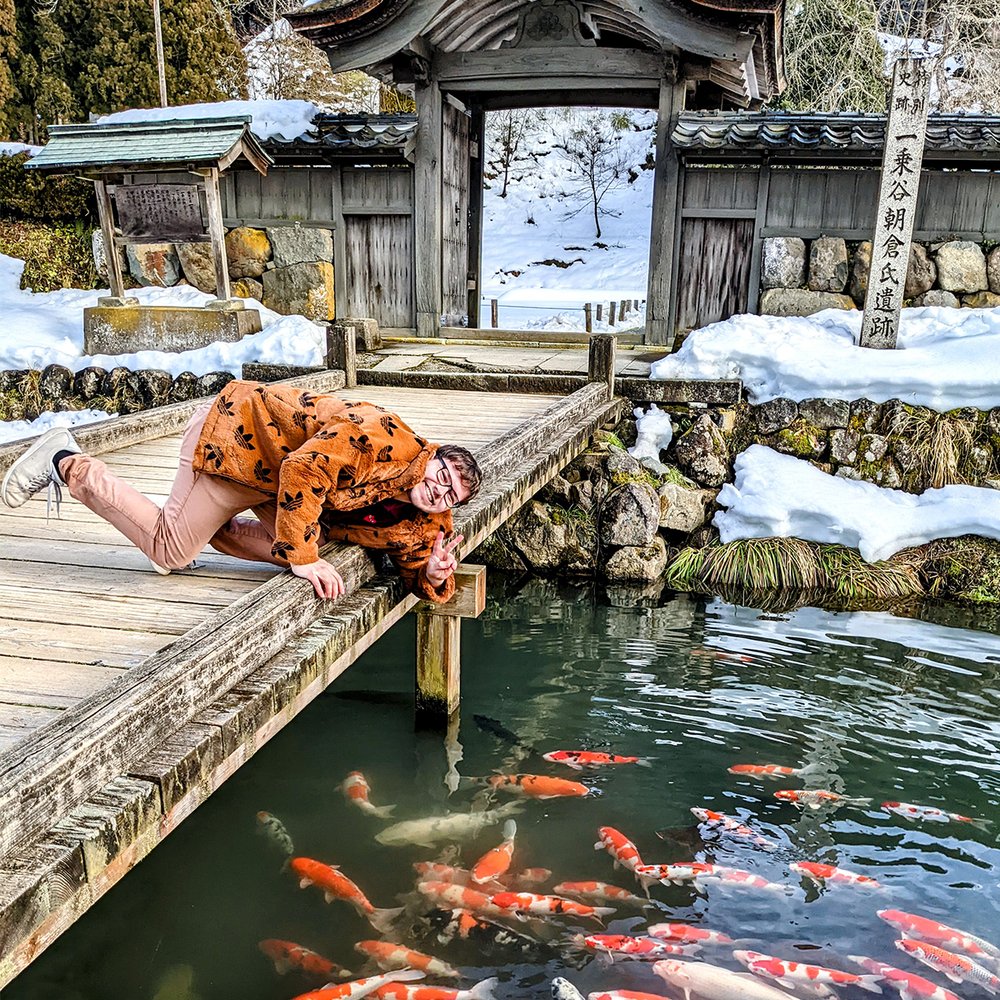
x=54 y=492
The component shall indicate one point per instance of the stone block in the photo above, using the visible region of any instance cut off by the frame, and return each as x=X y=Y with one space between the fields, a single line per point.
x=857 y=286
x=630 y=515
x=87 y=382
x=247 y=288
x=825 y=413
x=154 y=264
x=300 y=245
x=100 y=256
x=247 y=251
x=641 y=563
x=828 y=264
x=304 y=289
x=784 y=262
x=185 y=387
x=774 y=414
x=368 y=336
x=198 y=265
x=865 y=415
x=682 y=508
x=55 y=385
x=844 y=446
x=212 y=383
x=801 y=302
x=257 y=371
x=702 y=453
x=162 y=328
x=801 y=440
x=937 y=297
x=921 y=272
x=873 y=447
x=993 y=269
x=981 y=300
x=961 y=267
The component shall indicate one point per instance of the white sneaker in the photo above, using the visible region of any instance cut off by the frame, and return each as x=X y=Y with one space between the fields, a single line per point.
x=34 y=470
x=163 y=571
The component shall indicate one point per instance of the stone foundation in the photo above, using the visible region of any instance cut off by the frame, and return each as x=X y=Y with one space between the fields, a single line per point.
x=131 y=328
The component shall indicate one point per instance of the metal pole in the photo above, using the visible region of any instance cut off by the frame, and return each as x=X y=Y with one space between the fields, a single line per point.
x=158 y=32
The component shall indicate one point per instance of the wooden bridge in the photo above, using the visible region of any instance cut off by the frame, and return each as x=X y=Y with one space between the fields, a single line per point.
x=127 y=698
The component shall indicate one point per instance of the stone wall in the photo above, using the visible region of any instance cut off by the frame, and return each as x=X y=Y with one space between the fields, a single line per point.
x=287 y=268
x=800 y=277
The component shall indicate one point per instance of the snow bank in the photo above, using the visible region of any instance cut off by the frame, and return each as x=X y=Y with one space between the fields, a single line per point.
x=12 y=430
x=945 y=358
x=653 y=435
x=779 y=496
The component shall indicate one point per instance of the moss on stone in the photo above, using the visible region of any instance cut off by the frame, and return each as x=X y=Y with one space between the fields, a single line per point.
x=964 y=569
x=643 y=476
x=802 y=439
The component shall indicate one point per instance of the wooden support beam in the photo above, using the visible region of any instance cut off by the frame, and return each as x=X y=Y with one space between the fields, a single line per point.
x=469 y=600
x=601 y=360
x=438 y=667
x=106 y=216
x=342 y=351
x=427 y=209
x=217 y=232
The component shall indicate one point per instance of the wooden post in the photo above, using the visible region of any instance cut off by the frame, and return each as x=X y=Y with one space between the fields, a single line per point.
x=107 y=219
x=427 y=209
x=612 y=309
x=588 y=318
x=622 y=309
x=477 y=159
x=635 y=303
x=494 y=313
x=601 y=360
x=160 y=73
x=342 y=352
x=600 y=311
x=217 y=231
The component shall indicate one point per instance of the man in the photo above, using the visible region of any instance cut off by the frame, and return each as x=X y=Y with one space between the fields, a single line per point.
x=311 y=467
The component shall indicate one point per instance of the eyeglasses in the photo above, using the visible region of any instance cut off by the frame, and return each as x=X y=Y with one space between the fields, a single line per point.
x=443 y=477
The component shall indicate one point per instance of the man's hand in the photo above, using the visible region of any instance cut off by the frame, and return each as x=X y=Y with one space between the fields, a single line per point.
x=326 y=581
x=442 y=562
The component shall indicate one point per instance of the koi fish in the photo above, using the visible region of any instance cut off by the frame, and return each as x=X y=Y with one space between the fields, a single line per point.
x=815 y=979
x=539 y=786
x=956 y=967
x=545 y=906
x=695 y=871
x=497 y=860
x=717 y=820
x=830 y=873
x=579 y=759
x=714 y=983
x=930 y=814
x=675 y=874
x=599 y=892
x=737 y=876
x=434 y=871
x=398 y=991
x=687 y=932
x=816 y=798
x=461 y=897
x=529 y=876
x=431 y=830
x=288 y=955
x=563 y=989
x=336 y=885
x=908 y=985
x=484 y=934
x=639 y=947
x=925 y=929
x=356 y=790
x=772 y=770
x=271 y=827
x=360 y=987
x=390 y=956
x=619 y=847
x=625 y=995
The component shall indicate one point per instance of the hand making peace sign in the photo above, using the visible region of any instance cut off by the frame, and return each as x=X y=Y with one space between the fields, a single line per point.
x=442 y=562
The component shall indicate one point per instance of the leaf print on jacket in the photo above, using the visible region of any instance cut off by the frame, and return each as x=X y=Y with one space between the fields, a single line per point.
x=243 y=438
x=261 y=474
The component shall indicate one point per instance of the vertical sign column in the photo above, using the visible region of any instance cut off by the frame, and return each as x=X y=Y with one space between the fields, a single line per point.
x=897 y=202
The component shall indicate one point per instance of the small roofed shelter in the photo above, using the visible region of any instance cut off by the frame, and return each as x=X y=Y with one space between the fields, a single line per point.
x=461 y=58
x=158 y=181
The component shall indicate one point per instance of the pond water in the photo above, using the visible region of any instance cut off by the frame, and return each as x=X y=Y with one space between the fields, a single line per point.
x=882 y=708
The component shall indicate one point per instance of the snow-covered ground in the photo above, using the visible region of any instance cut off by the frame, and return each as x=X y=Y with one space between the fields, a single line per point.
x=12 y=430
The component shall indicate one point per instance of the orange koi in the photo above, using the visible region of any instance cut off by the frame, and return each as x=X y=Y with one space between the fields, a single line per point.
x=732 y=826
x=336 y=885
x=461 y=898
x=360 y=987
x=930 y=814
x=356 y=790
x=816 y=798
x=398 y=991
x=815 y=978
x=540 y=786
x=395 y=956
x=908 y=985
x=925 y=929
x=288 y=955
x=434 y=871
x=497 y=860
x=579 y=759
x=772 y=770
x=528 y=876
x=956 y=967
x=545 y=906
x=687 y=932
x=599 y=892
x=639 y=947
x=830 y=873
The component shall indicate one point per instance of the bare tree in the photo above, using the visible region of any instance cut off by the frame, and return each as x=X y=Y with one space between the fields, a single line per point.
x=506 y=134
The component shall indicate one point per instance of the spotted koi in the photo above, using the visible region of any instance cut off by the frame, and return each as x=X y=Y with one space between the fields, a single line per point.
x=579 y=759
x=816 y=798
x=622 y=850
x=433 y=871
x=287 y=955
x=717 y=820
x=930 y=814
x=539 y=786
x=957 y=968
x=360 y=987
x=545 y=906
x=599 y=892
x=462 y=898
x=831 y=873
x=400 y=991
x=925 y=929
x=388 y=956
x=356 y=790
x=816 y=978
x=687 y=932
x=907 y=984
x=772 y=770
x=638 y=947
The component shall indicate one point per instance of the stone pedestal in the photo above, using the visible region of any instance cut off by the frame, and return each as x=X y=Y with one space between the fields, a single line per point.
x=127 y=329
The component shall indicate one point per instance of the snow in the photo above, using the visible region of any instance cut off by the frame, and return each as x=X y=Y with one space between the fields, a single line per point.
x=47 y=328
x=945 y=358
x=278 y=119
x=653 y=435
x=13 y=148
x=779 y=496
x=12 y=430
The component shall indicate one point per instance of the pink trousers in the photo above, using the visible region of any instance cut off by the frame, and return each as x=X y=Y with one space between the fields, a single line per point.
x=201 y=509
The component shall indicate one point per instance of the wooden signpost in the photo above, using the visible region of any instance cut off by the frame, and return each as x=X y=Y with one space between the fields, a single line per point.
x=905 y=132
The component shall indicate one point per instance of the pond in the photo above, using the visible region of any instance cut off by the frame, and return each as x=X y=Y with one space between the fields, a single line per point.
x=877 y=708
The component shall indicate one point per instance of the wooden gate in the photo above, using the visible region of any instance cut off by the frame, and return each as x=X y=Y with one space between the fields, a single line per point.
x=455 y=217
x=379 y=259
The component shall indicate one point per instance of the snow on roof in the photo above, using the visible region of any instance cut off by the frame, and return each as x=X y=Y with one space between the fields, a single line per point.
x=13 y=148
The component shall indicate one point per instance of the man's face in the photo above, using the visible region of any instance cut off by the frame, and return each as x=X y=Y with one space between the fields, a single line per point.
x=440 y=488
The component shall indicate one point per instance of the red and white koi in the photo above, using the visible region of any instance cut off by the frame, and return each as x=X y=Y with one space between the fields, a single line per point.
x=336 y=885
x=462 y=898
x=388 y=956
x=548 y=906
x=527 y=876
x=720 y=821
x=287 y=955
x=356 y=790
x=579 y=759
x=622 y=850
x=737 y=876
x=913 y=926
x=675 y=874
x=497 y=860
x=929 y=814
x=599 y=892
x=539 y=786
x=434 y=871
x=831 y=873
x=361 y=987
x=624 y=995
x=957 y=968
x=399 y=991
x=711 y=982
x=772 y=770
x=687 y=932
x=815 y=979
x=482 y=933
x=638 y=947
x=907 y=984
x=698 y=871
x=816 y=798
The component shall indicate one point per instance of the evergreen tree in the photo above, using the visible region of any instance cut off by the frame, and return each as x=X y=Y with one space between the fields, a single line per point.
x=8 y=29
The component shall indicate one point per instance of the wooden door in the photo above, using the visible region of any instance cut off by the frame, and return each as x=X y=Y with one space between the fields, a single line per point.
x=455 y=217
x=379 y=269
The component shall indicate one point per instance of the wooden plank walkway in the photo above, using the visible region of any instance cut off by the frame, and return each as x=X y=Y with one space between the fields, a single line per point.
x=127 y=698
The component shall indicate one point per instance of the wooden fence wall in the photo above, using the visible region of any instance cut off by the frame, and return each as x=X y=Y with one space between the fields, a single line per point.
x=455 y=216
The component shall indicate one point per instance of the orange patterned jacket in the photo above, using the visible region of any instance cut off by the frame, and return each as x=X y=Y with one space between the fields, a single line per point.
x=317 y=453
